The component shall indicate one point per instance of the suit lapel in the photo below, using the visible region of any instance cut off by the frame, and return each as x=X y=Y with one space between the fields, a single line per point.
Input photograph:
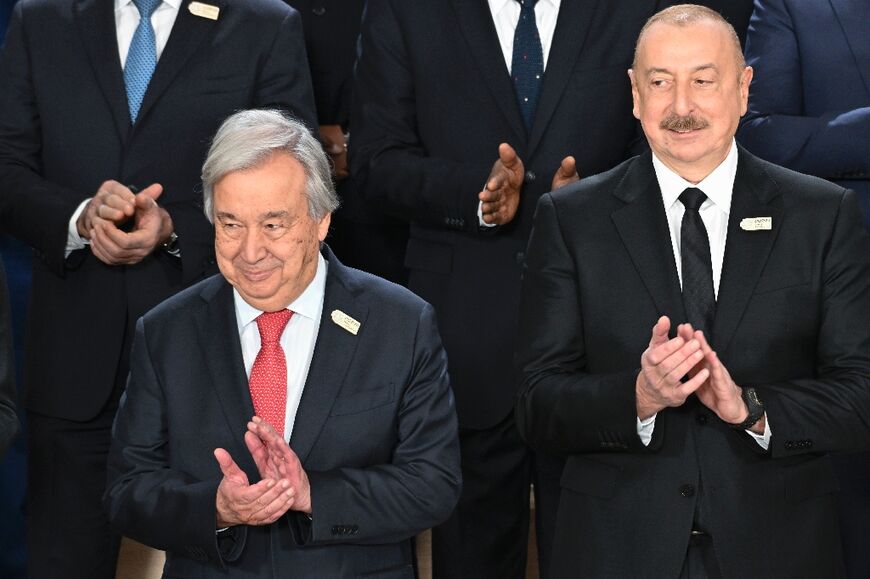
x=475 y=23
x=187 y=34
x=647 y=239
x=852 y=15
x=332 y=355
x=572 y=27
x=96 y=23
x=226 y=368
x=755 y=195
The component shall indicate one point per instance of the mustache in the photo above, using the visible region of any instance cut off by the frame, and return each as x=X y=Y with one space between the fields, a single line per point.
x=688 y=123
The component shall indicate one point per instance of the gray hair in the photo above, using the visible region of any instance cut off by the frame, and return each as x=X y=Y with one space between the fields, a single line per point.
x=686 y=14
x=249 y=138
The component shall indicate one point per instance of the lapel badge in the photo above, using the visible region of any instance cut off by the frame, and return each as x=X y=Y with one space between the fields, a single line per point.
x=345 y=321
x=756 y=224
x=204 y=10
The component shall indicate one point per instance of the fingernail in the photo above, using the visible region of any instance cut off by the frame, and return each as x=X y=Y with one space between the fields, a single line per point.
x=270 y=484
x=285 y=484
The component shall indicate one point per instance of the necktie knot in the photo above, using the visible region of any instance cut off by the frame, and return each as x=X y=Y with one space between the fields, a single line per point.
x=146 y=7
x=527 y=4
x=272 y=324
x=692 y=198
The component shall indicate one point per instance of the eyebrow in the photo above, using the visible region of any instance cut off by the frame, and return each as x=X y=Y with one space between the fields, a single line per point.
x=223 y=215
x=700 y=67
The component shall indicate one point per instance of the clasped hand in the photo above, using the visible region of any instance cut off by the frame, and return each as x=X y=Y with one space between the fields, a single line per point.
x=666 y=361
x=283 y=485
x=115 y=204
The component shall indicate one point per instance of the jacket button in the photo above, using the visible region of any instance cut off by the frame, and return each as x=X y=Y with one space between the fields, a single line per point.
x=530 y=176
x=319 y=10
x=701 y=419
x=809 y=443
x=789 y=445
x=687 y=490
x=520 y=257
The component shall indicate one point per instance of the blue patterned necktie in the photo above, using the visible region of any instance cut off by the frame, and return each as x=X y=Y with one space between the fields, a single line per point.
x=141 y=58
x=698 y=297
x=527 y=64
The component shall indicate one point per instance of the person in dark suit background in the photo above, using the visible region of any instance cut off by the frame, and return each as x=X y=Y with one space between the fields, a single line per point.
x=75 y=136
x=809 y=110
x=8 y=416
x=362 y=235
x=433 y=103
x=712 y=459
x=361 y=451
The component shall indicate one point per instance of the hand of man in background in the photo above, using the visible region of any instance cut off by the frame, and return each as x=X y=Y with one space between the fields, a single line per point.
x=500 y=197
x=152 y=226
x=335 y=144
x=565 y=174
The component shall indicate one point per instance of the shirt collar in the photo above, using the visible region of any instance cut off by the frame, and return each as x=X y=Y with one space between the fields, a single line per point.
x=176 y=4
x=306 y=305
x=717 y=186
x=496 y=6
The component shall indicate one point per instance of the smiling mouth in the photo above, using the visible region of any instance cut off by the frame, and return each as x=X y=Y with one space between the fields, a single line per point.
x=256 y=275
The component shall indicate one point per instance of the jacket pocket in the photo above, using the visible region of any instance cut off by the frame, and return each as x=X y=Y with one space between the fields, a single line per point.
x=363 y=401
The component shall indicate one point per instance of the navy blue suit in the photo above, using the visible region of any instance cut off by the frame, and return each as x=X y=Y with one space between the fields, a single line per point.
x=809 y=109
x=809 y=103
x=375 y=431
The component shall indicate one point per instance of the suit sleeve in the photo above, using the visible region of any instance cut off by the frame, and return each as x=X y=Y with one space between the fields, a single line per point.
x=562 y=408
x=151 y=502
x=831 y=409
x=388 y=155
x=420 y=486
x=32 y=209
x=833 y=145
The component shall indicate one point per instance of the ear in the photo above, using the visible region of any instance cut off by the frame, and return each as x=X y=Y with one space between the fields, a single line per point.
x=745 y=81
x=635 y=95
x=323 y=226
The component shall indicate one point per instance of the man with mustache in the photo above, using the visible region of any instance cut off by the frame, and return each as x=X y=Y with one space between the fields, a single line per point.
x=695 y=337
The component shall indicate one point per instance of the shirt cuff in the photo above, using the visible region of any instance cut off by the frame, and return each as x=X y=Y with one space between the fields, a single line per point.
x=763 y=440
x=645 y=429
x=480 y=220
x=75 y=241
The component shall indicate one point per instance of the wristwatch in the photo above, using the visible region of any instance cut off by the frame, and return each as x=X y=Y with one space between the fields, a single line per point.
x=170 y=246
x=755 y=407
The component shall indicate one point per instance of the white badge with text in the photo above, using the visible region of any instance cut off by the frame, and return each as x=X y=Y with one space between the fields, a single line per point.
x=204 y=10
x=756 y=224
x=345 y=321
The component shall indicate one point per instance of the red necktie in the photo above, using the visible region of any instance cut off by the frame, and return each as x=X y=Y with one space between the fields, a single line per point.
x=268 y=381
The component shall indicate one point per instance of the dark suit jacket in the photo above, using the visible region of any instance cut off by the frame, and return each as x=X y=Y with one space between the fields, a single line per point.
x=331 y=32
x=65 y=128
x=433 y=101
x=375 y=431
x=791 y=320
x=809 y=103
x=8 y=416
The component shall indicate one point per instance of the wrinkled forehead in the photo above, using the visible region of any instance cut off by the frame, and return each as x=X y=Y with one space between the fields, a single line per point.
x=665 y=45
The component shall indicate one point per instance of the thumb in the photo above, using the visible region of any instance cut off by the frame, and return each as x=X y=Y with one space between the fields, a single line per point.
x=229 y=468
x=660 y=331
x=151 y=192
x=508 y=155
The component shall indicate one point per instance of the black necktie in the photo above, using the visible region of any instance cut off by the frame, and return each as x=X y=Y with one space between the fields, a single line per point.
x=527 y=64
x=698 y=297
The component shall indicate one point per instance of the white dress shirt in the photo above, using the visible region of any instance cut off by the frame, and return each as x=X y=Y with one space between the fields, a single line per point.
x=506 y=14
x=718 y=186
x=126 y=22
x=297 y=341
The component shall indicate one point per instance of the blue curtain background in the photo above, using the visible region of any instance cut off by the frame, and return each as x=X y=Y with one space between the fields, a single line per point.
x=16 y=257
